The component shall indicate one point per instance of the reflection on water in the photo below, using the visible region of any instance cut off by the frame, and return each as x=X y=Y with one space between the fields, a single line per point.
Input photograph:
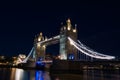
x=40 y=75
x=20 y=74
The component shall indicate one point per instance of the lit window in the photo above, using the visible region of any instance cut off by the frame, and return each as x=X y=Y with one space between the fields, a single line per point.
x=39 y=39
x=68 y=28
x=74 y=30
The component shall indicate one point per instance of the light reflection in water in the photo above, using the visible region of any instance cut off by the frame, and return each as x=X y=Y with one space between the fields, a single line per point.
x=41 y=75
x=13 y=70
x=19 y=74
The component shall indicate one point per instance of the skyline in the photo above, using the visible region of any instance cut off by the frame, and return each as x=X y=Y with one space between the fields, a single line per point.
x=98 y=26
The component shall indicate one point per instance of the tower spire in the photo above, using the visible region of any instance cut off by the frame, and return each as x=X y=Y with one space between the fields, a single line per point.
x=68 y=24
x=68 y=21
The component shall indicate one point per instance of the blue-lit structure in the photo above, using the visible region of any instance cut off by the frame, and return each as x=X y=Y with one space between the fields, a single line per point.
x=39 y=75
x=71 y=57
x=40 y=64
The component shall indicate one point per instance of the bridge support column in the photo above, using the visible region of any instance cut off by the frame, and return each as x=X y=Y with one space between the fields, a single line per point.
x=67 y=50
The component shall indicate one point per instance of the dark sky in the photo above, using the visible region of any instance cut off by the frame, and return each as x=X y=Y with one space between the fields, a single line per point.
x=98 y=24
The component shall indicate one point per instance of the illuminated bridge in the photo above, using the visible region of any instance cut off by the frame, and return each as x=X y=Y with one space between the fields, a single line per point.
x=70 y=47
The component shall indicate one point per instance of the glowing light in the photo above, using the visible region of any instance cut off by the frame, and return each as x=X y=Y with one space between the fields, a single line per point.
x=22 y=56
x=74 y=30
x=59 y=57
x=63 y=57
x=39 y=39
x=68 y=21
x=71 y=43
x=40 y=33
x=68 y=24
x=69 y=28
x=71 y=57
x=40 y=63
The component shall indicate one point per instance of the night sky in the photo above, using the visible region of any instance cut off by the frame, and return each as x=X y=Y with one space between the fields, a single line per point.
x=98 y=24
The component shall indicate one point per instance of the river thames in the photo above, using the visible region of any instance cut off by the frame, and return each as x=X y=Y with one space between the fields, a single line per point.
x=20 y=74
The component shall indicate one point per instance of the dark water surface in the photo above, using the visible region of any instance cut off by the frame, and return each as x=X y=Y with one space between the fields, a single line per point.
x=20 y=74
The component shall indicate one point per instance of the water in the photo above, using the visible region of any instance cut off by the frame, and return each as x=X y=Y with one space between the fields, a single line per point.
x=20 y=74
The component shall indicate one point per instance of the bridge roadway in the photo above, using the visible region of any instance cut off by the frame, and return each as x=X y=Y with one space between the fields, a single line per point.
x=50 y=41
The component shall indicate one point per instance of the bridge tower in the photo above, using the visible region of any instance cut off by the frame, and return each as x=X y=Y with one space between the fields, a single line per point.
x=39 y=48
x=67 y=50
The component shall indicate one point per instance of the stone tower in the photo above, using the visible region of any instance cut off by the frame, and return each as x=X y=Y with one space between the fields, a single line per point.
x=68 y=51
x=39 y=48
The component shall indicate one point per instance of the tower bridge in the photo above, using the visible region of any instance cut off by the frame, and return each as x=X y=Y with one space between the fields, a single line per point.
x=70 y=48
